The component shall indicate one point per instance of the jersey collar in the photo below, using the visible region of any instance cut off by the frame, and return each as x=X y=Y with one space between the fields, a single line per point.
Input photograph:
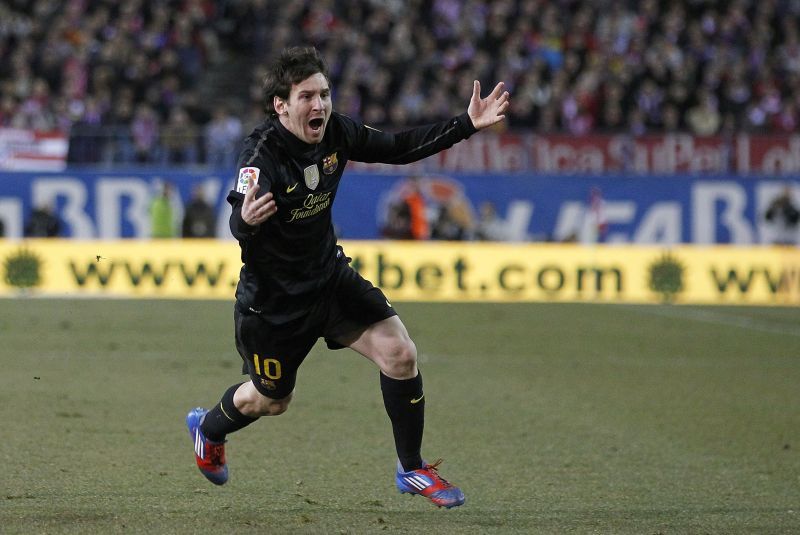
x=296 y=146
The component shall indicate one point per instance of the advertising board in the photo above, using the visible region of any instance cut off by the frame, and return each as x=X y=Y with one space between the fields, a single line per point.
x=664 y=209
x=419 y=271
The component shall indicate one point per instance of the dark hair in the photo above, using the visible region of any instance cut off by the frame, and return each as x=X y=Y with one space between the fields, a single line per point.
x=294 y=65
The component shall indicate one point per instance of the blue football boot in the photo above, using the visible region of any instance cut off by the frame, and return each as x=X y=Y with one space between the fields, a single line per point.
x=427 y=482
x=209 y=455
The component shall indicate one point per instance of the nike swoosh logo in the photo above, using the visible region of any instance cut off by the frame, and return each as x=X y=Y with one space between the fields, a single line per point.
x=415 y=401
x=291 y=188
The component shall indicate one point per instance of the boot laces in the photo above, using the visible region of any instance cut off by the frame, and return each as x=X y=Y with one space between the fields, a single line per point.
x=434 y=471
x=216 y=453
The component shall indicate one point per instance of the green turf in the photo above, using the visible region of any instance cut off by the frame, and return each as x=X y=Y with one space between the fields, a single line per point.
x=553 y=419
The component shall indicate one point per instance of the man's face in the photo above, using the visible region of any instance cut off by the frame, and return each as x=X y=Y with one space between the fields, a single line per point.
x=305 y=114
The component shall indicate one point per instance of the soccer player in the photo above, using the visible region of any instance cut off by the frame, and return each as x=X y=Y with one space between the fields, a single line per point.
x=296 y=285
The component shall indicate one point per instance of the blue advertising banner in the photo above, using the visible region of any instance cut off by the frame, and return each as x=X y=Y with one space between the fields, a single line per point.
x=529 y=207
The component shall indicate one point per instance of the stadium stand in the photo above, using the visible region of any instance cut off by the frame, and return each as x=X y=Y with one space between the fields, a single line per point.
x=142 y=81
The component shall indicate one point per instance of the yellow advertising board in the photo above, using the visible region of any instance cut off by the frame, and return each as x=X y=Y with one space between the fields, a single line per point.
x=420 y=271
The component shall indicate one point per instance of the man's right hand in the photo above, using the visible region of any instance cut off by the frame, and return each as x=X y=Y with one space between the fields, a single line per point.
x=256 y=211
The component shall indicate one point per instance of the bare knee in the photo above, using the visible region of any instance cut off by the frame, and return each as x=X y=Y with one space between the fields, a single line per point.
x=388 y=345
x=273 y=407
x=400 y=359
x=253 y=403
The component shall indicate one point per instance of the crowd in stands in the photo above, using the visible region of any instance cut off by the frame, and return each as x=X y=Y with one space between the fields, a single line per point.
x=125 y=79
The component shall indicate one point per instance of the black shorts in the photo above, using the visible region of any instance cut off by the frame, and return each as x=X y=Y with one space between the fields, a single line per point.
x=273 y=353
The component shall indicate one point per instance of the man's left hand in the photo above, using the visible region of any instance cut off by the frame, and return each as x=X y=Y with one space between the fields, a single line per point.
x=490 y=110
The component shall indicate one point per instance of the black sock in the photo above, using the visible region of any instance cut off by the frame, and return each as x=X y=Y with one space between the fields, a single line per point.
x=224 y=418
x=405 y=406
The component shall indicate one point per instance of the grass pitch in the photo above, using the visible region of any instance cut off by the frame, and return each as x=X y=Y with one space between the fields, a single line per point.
x=553 y=418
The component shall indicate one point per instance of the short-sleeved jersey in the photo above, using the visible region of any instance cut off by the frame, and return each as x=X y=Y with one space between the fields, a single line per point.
x=290 y=257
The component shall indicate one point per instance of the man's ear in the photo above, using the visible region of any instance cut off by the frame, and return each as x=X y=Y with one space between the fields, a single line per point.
x=279 y=104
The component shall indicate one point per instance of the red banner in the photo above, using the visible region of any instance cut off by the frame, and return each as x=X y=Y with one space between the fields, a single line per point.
x=652 y=154
x=30 y=150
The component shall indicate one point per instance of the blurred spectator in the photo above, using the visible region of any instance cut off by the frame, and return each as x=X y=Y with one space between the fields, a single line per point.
x=784 y=216
x=490 y=227
x=199 y=220
x=162 y=215
x=223 y=134
x=704 y=119
x=86 y=142
x=452 y=222
x=595 y=226
x=179 y=138
x=575 y=66
x=417 y=210
x=144 y=131
x=398 y=222
x=42 y=223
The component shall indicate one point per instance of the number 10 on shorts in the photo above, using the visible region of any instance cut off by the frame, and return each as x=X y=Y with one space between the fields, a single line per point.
x=271 y=367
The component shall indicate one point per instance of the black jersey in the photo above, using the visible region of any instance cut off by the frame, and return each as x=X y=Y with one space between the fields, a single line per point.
x=290 y=257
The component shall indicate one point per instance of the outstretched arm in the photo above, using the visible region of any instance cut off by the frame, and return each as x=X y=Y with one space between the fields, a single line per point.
x=490 y=110
x=370 y=145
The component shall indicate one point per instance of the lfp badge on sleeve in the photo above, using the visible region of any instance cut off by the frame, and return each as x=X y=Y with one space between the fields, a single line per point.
x=245 y=174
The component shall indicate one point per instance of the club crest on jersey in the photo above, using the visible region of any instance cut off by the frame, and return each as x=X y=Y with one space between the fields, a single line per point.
x=311 y=175
x=329 y=164
x=245 y=174
x=269 y=385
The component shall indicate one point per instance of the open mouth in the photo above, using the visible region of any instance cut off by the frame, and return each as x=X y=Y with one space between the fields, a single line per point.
x=316 y=124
